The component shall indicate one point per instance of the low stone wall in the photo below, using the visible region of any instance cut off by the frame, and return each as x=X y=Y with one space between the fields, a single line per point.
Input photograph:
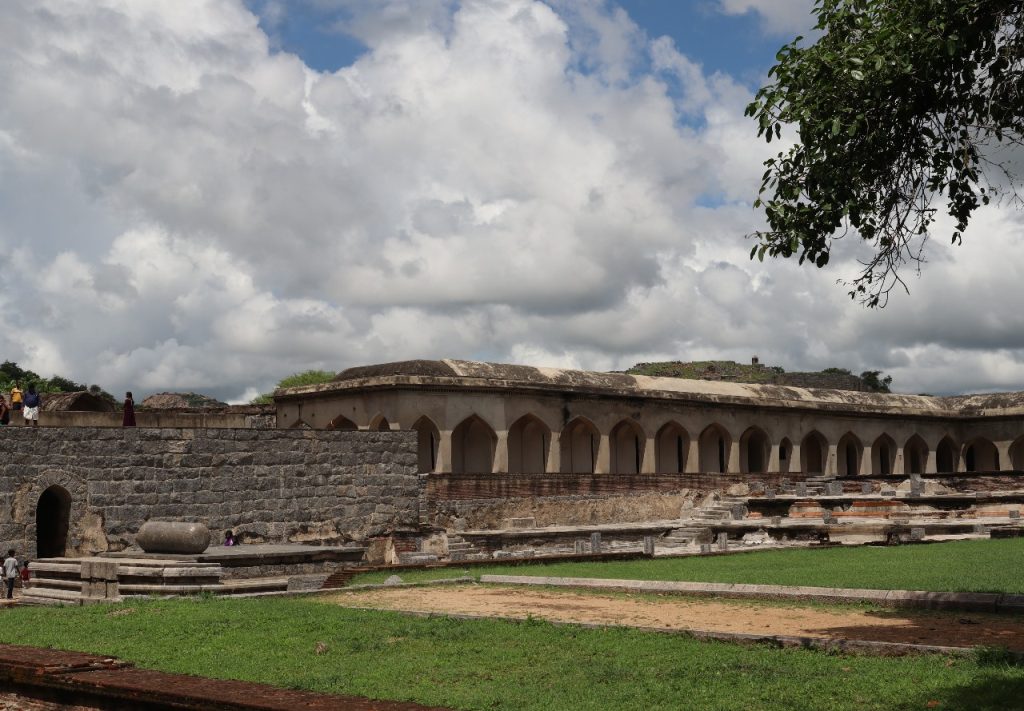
x=242 y=417
x=463 y=487
x=298 y=486
x=484 y=501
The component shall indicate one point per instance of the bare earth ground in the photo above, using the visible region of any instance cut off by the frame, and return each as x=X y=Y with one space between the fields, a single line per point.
x=950 y=629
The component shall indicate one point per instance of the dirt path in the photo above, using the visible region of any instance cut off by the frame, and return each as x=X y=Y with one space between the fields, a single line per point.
x=907 y=626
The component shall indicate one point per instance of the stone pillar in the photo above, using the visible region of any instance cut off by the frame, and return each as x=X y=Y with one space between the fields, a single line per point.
x=444 y=451
x=773 y=459
x=734 y=458
x=649 y=465
x=830 y=461
x=1005 y=463
x=794 y=459
x=897 y=465
x=603 y=465
x=961 y=459
x=930 y=466
x=692 y=458
x=501 y=452
x=555 y=453
x=865 y=462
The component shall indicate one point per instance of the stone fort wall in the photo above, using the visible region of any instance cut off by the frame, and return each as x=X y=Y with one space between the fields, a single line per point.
x=273 y=486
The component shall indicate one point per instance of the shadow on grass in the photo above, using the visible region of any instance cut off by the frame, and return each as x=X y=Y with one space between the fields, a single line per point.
x=987 y=693
x=944 y=629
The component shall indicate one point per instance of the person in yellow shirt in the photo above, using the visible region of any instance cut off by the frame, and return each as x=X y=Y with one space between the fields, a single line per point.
x=16 y=398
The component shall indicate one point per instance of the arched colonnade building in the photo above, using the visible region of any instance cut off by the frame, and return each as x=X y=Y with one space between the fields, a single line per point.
x=476 y=417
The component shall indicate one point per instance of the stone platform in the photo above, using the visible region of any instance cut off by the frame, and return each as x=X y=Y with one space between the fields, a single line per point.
x=239 y=570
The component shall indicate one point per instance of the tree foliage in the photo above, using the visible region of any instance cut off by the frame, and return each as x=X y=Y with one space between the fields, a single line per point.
x=900 y=105
x=306 y=377
x=11 y=373
x=874 y=383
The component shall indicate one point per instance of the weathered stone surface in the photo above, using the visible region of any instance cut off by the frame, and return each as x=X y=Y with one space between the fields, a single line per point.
x=275 y=486
x=173 y=537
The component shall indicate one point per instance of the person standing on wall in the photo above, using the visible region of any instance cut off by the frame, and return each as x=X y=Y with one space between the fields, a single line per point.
x=10 y=572
x=16 y=398
x=5 y=412
x=129 y=410
x=32 y=403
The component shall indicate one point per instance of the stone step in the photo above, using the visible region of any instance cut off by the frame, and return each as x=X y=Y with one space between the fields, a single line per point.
x=50 y=596
x=56 y=583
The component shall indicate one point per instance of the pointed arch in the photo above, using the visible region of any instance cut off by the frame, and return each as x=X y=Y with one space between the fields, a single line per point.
x=980 y=455
x=528 y=442
x=713 y=445
x=428 y=439
x=947 y=459
x=849 y=452
x=627 y=441
x=785 y=455
x=379 y=424
x=1017 y=454
x=342 y=423
x=883 y=455
x=754 y=450
x=915 y=455
x=671 y=448
x=813 y=451
x=473 y=445
x=578 y=446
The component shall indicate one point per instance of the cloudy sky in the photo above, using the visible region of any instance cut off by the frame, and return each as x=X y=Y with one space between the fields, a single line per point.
x=212 y=194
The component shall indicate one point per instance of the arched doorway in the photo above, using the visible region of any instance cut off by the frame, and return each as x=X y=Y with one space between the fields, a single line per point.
x=528 y=442
x=946 y=458
x=672 y=445
x=883 y=455
x=473 y=445
x=1017 y=455
x=342 y=423
x=754 y=449
x=579 y=443
x=981 y=456
x=627 y=443
x=53 y=518
x=713 y=450
x=915 y=455
x=785 y=455
x=380 y=424
x=813 y=450
x=848 y=454
x=427 y=439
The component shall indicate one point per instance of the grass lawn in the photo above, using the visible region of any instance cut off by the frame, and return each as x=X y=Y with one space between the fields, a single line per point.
x=962 y=566
x=481 y=664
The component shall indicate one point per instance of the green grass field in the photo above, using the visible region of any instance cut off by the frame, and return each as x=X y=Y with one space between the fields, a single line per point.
x=962 y=566
x=482 y=664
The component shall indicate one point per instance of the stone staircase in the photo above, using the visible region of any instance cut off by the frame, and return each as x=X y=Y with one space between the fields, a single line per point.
x=723 y=510
x=461 y=549
x=685 y=537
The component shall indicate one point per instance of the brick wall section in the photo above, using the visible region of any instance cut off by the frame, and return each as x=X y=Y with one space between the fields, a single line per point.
x=272 y=485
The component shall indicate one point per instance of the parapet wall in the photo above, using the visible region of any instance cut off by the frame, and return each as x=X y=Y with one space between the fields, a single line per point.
x=273 y=486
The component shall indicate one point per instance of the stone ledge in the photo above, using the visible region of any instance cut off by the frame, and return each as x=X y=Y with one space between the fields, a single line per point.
x=972 y=602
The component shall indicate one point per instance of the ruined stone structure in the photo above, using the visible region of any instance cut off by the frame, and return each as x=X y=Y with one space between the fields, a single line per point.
x=82 y=491
x=482 y=417
x=457 y=458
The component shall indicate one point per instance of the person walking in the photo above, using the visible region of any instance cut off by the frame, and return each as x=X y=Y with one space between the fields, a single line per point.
x=32 y=404
x=129 y=410
x=10 y=572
